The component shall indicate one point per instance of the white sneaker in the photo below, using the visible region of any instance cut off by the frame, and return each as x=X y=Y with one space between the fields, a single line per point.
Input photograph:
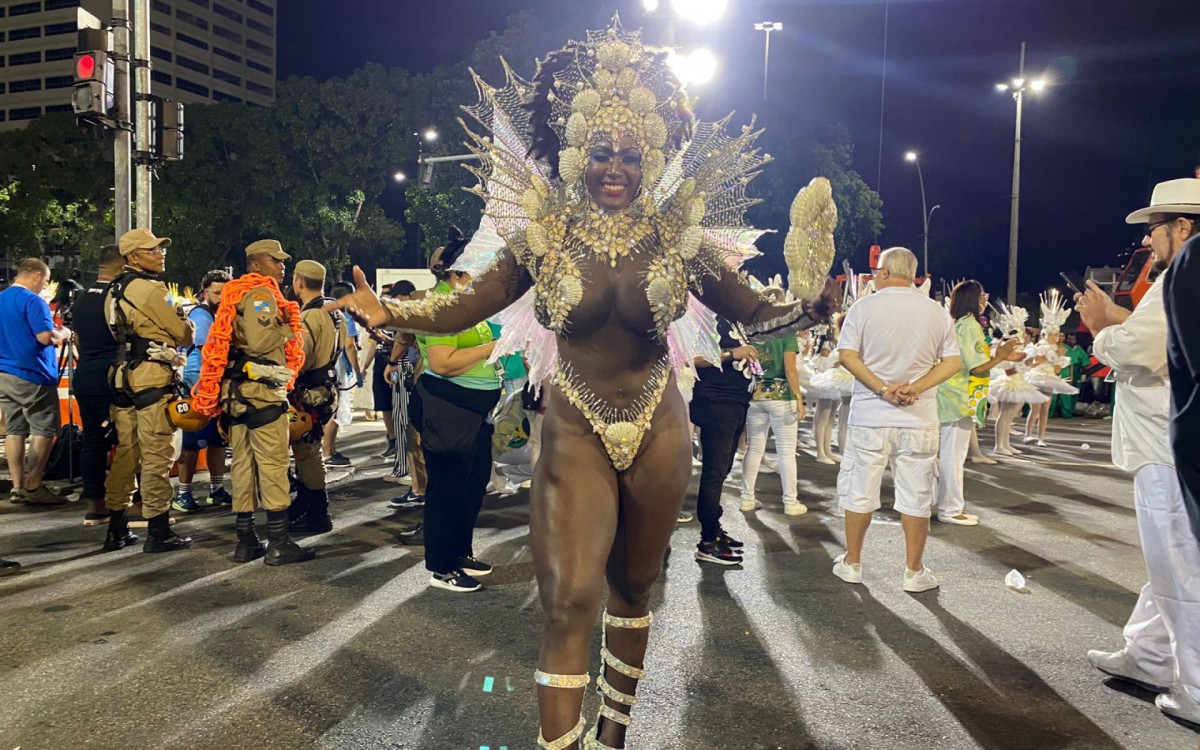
x=915 y=583
x=1121 y=665
x=1179 y=704
x=1028 y=439
x=794 y=509
x=1042 y=444
x=845 y=571
x=393 y=479
x=962 y=519
x=749 y=505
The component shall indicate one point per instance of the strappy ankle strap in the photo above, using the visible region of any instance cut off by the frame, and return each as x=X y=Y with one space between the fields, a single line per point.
x=610 y=692
x=565 y=741
x=625 y=669
x=628 y=622
x=566 y=681
x=612 y=714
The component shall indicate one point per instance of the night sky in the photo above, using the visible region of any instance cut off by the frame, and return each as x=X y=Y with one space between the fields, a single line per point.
x=1123 y=111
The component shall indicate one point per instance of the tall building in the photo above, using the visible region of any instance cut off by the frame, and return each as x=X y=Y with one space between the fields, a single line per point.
x=201 y=51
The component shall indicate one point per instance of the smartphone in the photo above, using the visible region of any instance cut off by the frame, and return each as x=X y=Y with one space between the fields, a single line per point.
x=1074 y=281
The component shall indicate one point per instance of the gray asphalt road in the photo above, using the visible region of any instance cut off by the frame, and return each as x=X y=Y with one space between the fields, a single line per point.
x=127 y=650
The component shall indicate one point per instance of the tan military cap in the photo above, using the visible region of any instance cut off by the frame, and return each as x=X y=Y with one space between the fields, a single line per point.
x=310 y=269
x=140 y=239
x=267 y=247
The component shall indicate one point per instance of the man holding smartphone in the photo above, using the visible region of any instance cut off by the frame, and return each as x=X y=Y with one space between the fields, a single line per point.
x=1162 y=637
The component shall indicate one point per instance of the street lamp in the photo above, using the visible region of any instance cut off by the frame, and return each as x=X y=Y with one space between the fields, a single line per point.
x=399 y=177
x=926 y=213
x=430 y=135
x=699 y=12
x=1018 y=86
x=698 y=67
x=767 y=27
x=650 y=5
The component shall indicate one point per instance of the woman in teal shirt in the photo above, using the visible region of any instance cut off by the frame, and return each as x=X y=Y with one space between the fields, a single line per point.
x=458 y=390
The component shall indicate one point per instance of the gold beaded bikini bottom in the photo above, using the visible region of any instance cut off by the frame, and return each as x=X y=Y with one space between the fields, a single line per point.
x=621 y=430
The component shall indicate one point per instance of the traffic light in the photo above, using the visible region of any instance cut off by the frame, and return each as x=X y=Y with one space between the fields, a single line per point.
x=166 y=117
x=93 y=97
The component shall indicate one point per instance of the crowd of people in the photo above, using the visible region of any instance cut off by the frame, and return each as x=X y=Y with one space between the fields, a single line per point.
x=259 y=367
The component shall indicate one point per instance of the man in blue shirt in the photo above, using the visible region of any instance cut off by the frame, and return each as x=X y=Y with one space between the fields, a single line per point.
x=208 y=439
x=29 y=380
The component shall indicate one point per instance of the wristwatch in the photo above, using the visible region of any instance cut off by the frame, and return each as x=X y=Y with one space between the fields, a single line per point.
x=882 y=390
x=726 y=355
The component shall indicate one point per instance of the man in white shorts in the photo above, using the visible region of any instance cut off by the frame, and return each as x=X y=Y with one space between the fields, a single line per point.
x=899 y=345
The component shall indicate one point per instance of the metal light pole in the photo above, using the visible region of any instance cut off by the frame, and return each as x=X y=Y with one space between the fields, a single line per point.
x=141 y=89
x=123 y=135
x=1018 y=87
x=767 y=27
x=914 y=158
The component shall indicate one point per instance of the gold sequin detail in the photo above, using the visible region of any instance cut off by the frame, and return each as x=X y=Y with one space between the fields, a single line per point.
x=567 y=681
x=620 y=430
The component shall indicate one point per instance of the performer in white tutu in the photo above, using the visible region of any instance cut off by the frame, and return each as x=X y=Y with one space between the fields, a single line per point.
x=1048 y=358
x=832 y=385
x=1009 y=391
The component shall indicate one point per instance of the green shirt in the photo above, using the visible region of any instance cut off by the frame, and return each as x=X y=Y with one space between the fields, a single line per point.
x=481 y=377
x=964 y=395
x=774 y=385
x=1073 y=373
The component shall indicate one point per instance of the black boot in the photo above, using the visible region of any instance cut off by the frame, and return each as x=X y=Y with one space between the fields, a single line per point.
x=298 y=511
x=119 y=536
x=281 y=550
x=161 y=538
x=317 y=519
x=249 y=546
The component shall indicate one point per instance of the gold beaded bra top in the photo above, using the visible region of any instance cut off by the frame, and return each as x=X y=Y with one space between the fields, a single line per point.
x=686 y=222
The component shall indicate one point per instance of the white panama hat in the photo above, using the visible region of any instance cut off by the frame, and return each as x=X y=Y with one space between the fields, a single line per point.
x=1170 y=197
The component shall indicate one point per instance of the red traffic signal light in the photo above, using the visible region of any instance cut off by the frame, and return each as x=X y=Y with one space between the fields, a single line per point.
x=85 y=66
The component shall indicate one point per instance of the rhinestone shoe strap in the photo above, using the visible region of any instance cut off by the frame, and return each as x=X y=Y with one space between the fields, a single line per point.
x=628 y=622
x=621 y=430
x=567 y=681
x=565 y=741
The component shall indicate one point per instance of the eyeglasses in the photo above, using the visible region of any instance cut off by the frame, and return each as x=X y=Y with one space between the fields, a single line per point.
x=153 y=250
x=1151 y=227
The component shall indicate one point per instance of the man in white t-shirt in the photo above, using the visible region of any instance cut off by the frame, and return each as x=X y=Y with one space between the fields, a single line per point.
x=899 y=345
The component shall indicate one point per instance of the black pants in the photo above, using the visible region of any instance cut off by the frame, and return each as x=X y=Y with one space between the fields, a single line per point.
x=97 y=440
x=721 y=426
x=457 y=483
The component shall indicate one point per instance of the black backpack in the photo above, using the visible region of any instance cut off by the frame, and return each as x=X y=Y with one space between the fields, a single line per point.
x=64 y=456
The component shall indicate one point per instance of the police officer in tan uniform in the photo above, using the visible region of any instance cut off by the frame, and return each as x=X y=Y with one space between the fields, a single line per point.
x=148 y=331
x=315 y=392
x=254 y=399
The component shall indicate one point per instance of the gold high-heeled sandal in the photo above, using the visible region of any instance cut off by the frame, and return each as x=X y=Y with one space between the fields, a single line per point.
x=566 y=682
x=592 y=741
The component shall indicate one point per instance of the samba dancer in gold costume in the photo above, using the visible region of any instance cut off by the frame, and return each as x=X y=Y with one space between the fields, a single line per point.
x=611 y=211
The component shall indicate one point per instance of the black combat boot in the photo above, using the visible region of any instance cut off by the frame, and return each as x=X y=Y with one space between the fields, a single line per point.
x=281 y=550
x=249 y=546
x=314 y=518
x=119 y=536
x=298 y=511
x=319 y=520
x=161 y=538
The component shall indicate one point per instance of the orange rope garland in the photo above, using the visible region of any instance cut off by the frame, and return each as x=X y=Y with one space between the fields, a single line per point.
x=206 y=394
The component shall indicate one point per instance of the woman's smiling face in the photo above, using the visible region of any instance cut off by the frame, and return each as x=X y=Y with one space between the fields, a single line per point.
x=614 y=177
